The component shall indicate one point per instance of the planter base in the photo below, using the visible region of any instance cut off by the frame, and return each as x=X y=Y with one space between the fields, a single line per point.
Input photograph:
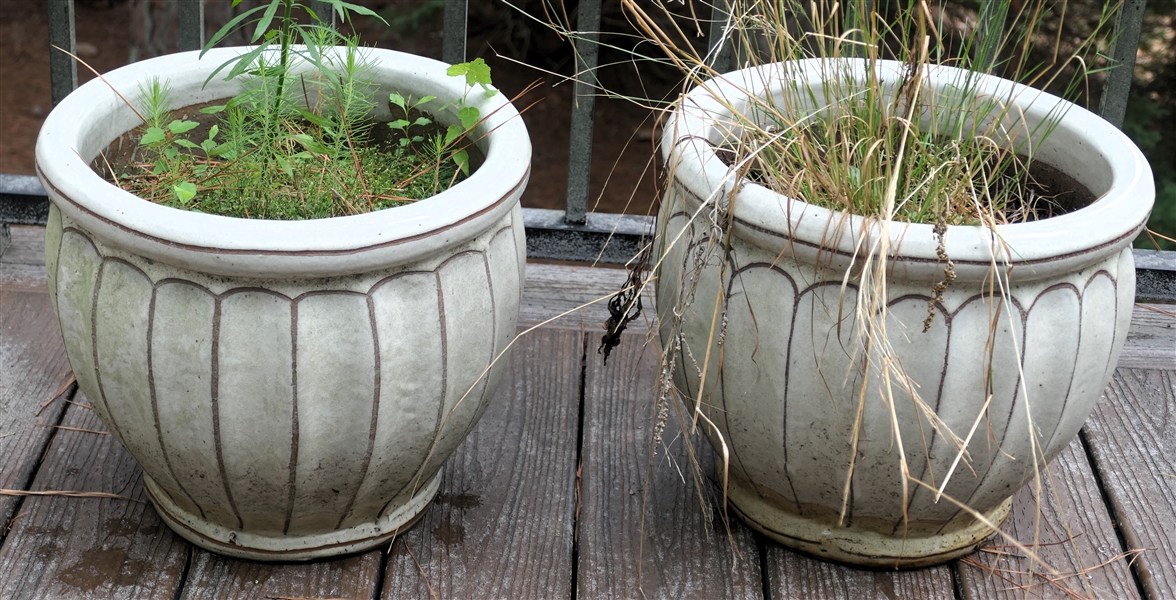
x=857 y=545
x=221 y=540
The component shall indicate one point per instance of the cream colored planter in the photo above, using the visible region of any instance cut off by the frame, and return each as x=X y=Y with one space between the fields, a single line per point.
x=785 y=398
x=290 y=389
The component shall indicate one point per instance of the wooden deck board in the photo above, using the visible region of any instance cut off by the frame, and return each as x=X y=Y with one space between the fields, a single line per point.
x=686 y=551
x=1132 y=437
x=554 y=289
x=502 y=524
x=792 y=575
x=33 y=367
x=22 y=278
x=79 y=548
x=1151 y=341
x=1073 y=533
x=506 y=519
x=28 y=246
x=213 y=577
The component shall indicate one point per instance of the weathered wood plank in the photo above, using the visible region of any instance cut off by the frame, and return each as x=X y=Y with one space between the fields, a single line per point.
x=1132 y=438
x=553 y=289
x=214 y=577
x=22 y=265
x=90 y=547
x=503 y=522
x=28 y=246
x=1069 y=530
x=32 y=368
x=686 y=552
x=23 y=278
x=794 y=575
x=1151 y=341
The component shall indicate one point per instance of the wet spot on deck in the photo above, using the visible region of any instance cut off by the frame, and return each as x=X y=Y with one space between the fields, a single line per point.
x=448 y=532
x=99 y=567
x=460 y=501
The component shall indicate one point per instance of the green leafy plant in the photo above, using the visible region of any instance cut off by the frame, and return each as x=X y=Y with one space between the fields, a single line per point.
x=298 y=142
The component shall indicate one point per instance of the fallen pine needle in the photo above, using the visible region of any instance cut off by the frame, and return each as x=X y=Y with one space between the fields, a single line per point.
x=1157 y=309
x=12 y=522
x=1057 y=581
x=301 y=598
x=1002 y=548
x=421 y=569
x=68 y=428
x=61 y=390
x=67 y=493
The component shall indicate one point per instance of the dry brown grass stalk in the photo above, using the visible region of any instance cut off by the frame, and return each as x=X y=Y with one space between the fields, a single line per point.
x=302 y=598
x=1059 y=581
x=68 y=428
x=421 y=569
x=61 y=390
x=776 y=129
x=68 y=494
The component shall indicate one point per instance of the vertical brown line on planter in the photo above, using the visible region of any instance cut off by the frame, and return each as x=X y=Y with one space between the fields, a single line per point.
x=1045 y=441
x=494 y=335
x=1024 y=314
x=444 y=370
x=1110 y=368
x=293 y=480
x=55 y=276
x=918 y=489
x=445 y=354
x=155 y=401
x=444 y=360
x=515 y=233
x=414 y=483
x=367 y=459
x=737 y=274
x=216 y=432
x=94 y=344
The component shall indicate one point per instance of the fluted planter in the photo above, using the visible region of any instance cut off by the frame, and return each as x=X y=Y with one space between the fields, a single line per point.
x=783 y=392
x=291 y=389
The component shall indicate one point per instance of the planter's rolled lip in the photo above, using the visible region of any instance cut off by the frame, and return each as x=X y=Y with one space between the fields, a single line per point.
x=1034 y=250
x=266 y=248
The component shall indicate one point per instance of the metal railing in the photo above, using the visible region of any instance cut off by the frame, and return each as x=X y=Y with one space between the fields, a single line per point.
x=573 y=234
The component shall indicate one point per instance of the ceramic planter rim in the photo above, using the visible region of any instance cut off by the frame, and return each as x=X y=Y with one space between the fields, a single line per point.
x=1035 y=250
x=86 y=121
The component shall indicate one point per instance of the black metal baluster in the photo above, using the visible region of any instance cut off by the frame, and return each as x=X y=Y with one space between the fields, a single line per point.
x=324 y=11
x=453 y=44
x=1128 y=24
x=583 y=111
x=720 y=60
x=191 y=17
x=63 y=70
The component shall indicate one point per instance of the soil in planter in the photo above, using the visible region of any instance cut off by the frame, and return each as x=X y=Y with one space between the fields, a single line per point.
x=391 y=175
x=1046 y=192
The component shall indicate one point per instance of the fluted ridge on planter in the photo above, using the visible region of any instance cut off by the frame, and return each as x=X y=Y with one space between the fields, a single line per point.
x=374 y=309
x=290 y=388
